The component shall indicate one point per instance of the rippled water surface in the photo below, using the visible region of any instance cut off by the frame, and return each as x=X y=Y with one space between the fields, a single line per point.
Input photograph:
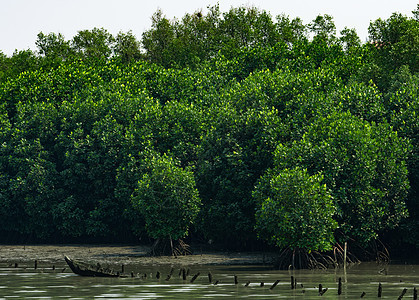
x=45 y=283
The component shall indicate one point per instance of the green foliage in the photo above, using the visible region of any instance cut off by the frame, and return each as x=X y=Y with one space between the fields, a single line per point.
x=349 y=39
x=394 y=43
x=323 y=28
x=20 y=61
x=363 y=164
x=416 y=13
x=158 y=39
x=403 y=104
x=54 y=48
x=291 y=31
x=231 y=158
x=127 y=47
x=93 y=44
x=295 y=210
x=363 y=101
x=167 y=198
x=223 y=99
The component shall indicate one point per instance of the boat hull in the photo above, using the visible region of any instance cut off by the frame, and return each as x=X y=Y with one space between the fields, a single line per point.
x=83 y=269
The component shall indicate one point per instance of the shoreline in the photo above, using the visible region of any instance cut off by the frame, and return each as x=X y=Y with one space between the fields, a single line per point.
x=124 y=254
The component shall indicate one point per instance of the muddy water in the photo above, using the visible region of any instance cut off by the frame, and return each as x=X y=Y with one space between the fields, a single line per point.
x=45 y=283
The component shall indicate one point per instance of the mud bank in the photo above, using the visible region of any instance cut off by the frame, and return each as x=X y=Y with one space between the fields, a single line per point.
x=123 y=254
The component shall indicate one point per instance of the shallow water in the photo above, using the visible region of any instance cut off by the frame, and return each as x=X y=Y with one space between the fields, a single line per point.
x=44 y=283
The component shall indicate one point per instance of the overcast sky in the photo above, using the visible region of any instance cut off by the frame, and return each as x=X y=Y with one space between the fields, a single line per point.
x=22 y=20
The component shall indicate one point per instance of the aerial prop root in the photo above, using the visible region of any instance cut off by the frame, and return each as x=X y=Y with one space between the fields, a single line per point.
x=299 y=258
x=169 y=247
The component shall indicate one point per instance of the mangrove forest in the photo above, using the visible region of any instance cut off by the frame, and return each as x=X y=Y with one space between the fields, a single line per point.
x=237 y=129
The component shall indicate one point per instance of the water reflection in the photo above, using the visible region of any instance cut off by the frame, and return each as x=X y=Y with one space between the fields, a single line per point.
x=363 y=278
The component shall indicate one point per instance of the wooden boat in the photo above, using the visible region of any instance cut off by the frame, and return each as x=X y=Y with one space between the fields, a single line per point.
x=84 y=269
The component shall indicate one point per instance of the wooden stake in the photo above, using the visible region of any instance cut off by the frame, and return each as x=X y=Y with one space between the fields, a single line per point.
x=274 y=285
x=323 y=291
x=402 y=294
x=340 y=286
x=195 y=277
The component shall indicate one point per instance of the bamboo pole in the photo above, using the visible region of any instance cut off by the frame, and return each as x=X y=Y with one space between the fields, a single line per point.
x=344 y=255
x=344 y=261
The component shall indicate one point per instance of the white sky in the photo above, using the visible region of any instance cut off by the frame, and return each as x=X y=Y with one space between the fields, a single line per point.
x=22 y=20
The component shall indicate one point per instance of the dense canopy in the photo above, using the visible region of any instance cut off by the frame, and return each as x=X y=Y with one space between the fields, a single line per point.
x=226 y=126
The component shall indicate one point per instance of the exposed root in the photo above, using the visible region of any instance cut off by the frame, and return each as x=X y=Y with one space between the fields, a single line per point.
x=383 y=255
x=169 y=247
x=375 y=250
x=302 y=259
x=181 y=248
x=338 y=251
